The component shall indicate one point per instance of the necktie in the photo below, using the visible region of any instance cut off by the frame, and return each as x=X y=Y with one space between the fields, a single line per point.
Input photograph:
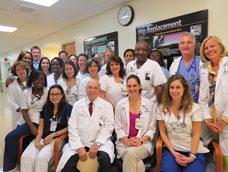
x=90 y=108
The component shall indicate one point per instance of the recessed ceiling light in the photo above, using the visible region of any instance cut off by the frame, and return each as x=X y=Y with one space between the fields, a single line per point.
x=46 y=3
x=7 y=29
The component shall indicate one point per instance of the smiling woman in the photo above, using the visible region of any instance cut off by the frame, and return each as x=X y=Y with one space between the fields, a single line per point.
x=135 y=126
x=113 y=86
x=179 y=120
x=52 y=124
x=31 y=102
x=213 y=98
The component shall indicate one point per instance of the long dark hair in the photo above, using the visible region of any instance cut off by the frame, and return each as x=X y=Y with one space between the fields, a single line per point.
x=69 y=62
x=44 y=58
x=117 y=60
x=62 y=104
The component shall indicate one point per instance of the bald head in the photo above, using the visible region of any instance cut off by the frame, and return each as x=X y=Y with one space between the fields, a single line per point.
x=92 y=89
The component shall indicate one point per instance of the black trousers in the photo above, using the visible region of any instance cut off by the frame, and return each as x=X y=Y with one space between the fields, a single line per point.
x=102 y=158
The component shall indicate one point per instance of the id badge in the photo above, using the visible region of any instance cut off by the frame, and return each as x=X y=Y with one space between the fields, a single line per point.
x=124 y=91
x=38 y=108
x=177 y=129
x=138 y=123
x=53 y=125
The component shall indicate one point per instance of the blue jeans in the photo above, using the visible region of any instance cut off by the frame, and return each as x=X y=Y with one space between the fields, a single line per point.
x=11 y=146
x=169 y=163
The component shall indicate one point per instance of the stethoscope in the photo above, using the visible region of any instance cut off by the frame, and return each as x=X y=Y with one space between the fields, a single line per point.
x=183 y=124
x=194 y=76
x=191 y=70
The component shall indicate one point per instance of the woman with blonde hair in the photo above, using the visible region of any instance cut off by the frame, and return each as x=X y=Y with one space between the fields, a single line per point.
x=213 y=98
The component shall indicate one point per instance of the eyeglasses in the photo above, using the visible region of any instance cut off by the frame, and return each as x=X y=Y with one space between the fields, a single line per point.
x=55 y=94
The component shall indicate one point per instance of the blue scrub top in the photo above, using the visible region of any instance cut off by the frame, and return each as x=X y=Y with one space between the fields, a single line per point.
x=192 y=75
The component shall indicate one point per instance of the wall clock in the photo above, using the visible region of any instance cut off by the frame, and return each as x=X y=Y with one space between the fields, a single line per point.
x=125 y=15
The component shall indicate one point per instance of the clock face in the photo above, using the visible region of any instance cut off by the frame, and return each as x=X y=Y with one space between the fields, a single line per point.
x=125 y=15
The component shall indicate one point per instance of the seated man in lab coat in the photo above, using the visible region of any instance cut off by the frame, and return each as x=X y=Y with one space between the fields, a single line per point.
x=90 y=129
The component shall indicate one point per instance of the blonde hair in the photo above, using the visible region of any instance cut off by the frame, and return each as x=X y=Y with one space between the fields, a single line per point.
x=203 y=57
x=187 y=100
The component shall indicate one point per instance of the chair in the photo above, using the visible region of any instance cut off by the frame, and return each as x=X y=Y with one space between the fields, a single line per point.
x=23 y=142
x=218 y=153
x=59 y=142
x=58 y=145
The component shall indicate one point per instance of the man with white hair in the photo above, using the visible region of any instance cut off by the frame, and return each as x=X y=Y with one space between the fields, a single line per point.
x=90 y=129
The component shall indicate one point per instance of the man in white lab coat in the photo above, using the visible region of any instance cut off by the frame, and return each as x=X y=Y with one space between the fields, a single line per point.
x=90 y=129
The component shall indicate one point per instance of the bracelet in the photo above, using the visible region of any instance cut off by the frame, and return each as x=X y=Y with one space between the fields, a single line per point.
x=192 y=155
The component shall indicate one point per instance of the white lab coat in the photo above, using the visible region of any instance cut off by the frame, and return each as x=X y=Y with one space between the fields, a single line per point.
x=85 y=130
x=150 y=75
x=122 y=124
x=51 y=81
x=14 y=96
x=221 y=99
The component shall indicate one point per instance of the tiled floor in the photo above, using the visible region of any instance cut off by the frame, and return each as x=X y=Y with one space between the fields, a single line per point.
x=5 y=122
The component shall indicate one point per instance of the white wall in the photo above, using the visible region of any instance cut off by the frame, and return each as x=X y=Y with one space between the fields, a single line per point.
x=146 y=11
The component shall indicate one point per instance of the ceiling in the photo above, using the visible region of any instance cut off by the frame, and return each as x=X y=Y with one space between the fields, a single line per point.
x=34 y=21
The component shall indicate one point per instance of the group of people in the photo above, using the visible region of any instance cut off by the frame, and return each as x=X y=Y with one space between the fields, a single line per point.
x=78 y=96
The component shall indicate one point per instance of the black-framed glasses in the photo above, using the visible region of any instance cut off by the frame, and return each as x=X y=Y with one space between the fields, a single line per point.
x=55 y=94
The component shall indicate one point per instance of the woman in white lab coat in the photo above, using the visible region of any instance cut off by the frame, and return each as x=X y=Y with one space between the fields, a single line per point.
x=15 y=90
x=113 y=87
x=213 y=98
x=135 y=126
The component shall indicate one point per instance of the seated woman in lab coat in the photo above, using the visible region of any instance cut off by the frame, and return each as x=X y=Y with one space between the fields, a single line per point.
x=135 y=126
x=52 y=124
